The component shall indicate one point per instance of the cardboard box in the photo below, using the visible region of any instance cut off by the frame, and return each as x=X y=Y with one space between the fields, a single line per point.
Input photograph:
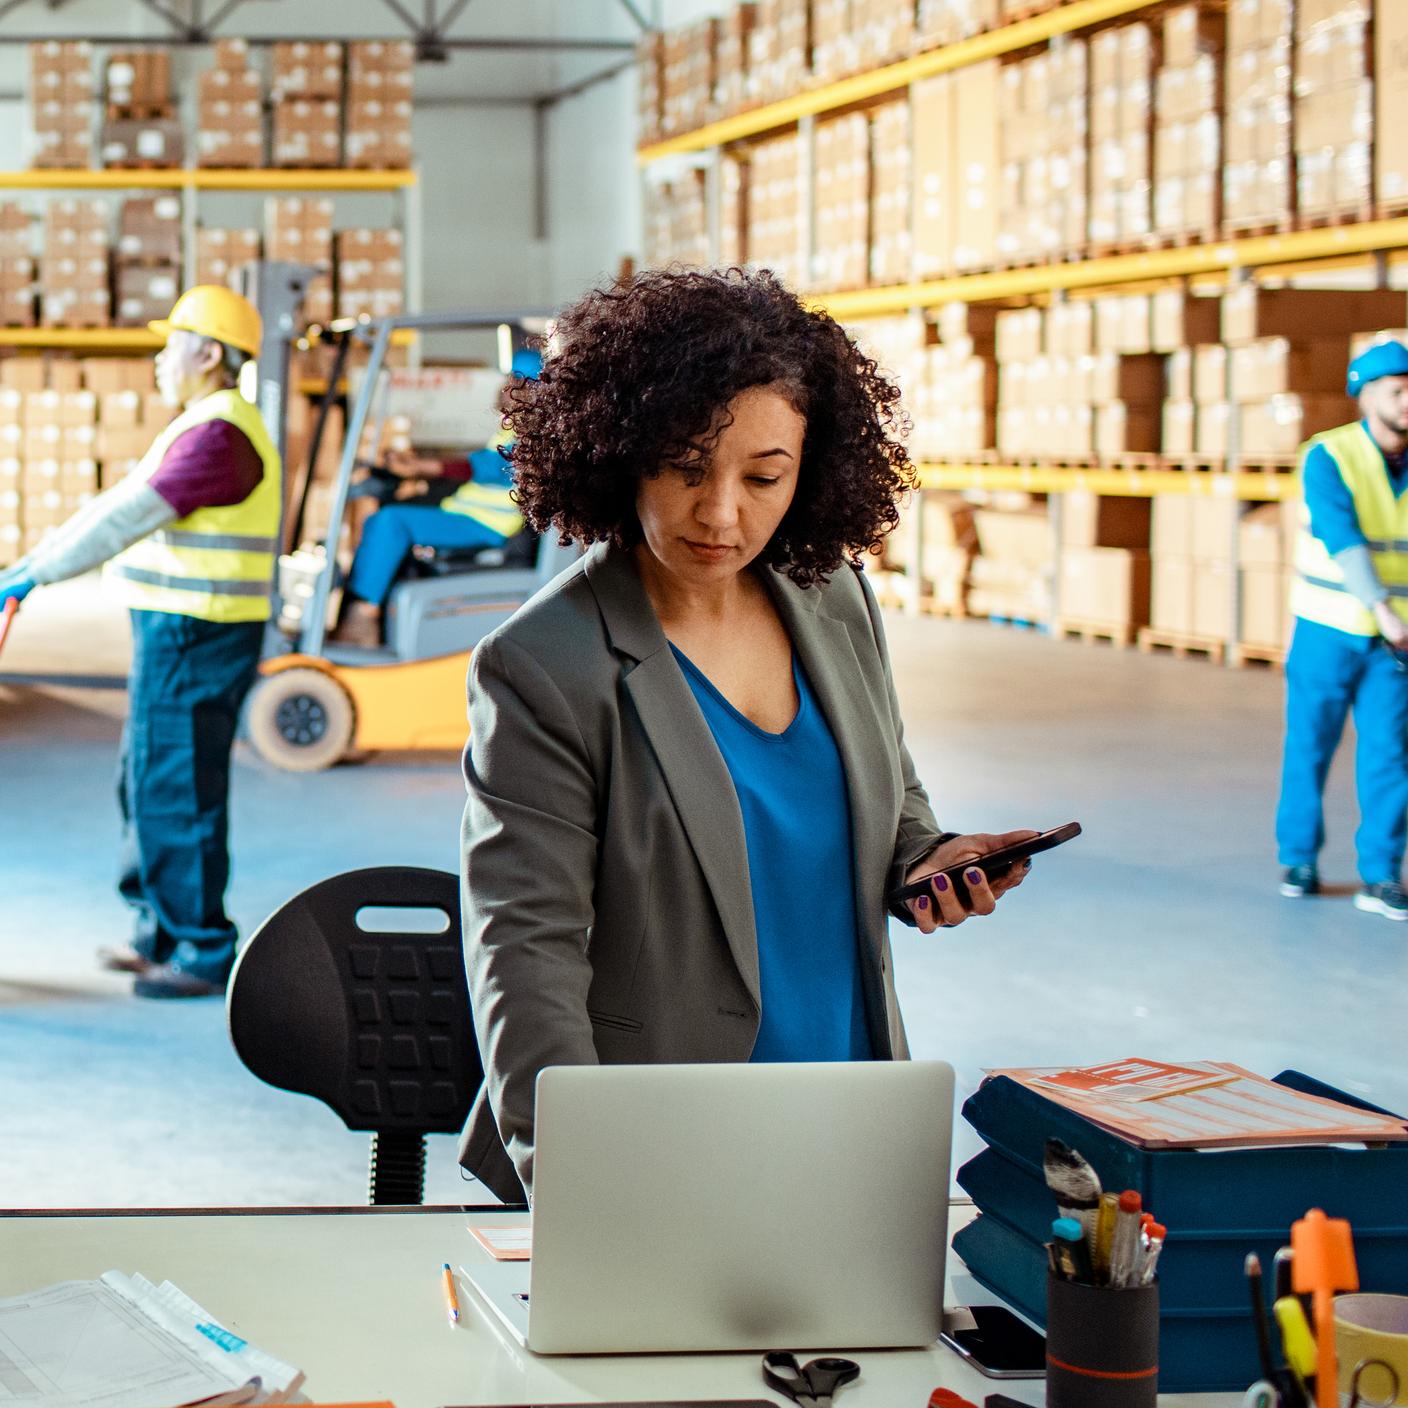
x=307 y=70
x=1092 y=521
x=143 y=142
x=1391 y=102
x=145 y=293
x=1273 y=366
x=1279 y=425
x=1126 y=428
x=1178 y=429
x=1251 y=312
x=1019 y=537
x=1265 y=609
x=1214 y=523
x=1262 y=539
x=1171 y=594
x=1104 y=586
x=1209 y=374
x=1212 y=600
x=1181 y=320
x=149 y=230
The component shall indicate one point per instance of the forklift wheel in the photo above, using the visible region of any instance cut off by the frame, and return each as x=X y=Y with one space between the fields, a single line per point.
x=300 y=720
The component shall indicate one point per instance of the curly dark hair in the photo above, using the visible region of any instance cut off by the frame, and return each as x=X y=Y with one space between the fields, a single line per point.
x=643 y=371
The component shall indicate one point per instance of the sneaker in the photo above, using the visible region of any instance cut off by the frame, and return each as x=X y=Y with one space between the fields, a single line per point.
x=1389 y=899
x=1299 y=881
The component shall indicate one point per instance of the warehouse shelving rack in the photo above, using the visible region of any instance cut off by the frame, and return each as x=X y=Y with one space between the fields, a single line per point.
x=403 y=185
x=1378 y=242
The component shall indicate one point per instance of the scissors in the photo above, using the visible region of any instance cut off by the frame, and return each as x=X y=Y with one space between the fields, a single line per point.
x=1356 y=1394
x=808 y=1385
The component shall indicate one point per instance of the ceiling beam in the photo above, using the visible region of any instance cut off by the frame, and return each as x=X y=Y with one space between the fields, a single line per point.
x=523 y=43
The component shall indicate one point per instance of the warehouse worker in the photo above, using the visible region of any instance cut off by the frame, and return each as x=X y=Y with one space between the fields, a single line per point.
x=191 y=536
x=481 y=513
x=1350 y=599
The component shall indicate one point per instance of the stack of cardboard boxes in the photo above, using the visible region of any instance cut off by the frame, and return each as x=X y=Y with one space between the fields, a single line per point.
x=1334 y=109
x=1011 y=576
x=220 y=251
x=650 y=55
x=1257 y=188
x=779 y=48
x=73 y=267
x=687 y=76
x=676 y=222
x=731 y=60
x=16 y=267
x=939 y=22
x=841 y=202
x=140 y=127
x=1103 y=583
x=734 y=174
x=147 y=259
x=835 y=43
x=1123 y=63
x=954 y=405
x=61 y=103
x=1391 y=104
x=1266 y=538
x=1044 y=124
x=1188 y=124
x=299 y=229
x=891 y=187
x=775 y=209
x=307 y=96
x=380 y=76
x=370 y=273
x=1193 y=542
x=230 y=110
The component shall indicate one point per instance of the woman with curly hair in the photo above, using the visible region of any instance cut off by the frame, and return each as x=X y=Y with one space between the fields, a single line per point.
x=688 y=785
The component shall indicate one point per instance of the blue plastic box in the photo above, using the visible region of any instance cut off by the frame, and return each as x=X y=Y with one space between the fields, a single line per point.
x=1218 y=1205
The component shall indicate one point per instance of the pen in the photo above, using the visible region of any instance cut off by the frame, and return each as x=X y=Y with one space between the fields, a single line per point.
x=452 y=1300
x=1157 y=1234
x=1124 y=1249
x=1252 y=1267
x=1104 y=1235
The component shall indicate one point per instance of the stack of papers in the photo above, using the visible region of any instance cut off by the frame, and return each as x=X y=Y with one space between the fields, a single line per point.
x=1201 y=1105
x=121 y=1342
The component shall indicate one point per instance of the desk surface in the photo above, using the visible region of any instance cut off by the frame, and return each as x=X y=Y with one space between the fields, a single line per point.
x=353 y=1298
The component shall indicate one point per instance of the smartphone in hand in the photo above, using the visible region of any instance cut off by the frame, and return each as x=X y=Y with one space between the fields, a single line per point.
x=994 y=865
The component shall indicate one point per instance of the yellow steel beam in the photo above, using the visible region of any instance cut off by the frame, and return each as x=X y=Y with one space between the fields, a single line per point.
x=211 y=179
x=1080 y=14
x=1256 y=252
x=82 y=339
x=1125 y=483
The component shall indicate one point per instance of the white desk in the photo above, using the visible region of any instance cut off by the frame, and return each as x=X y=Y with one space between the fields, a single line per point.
x=353 y=1298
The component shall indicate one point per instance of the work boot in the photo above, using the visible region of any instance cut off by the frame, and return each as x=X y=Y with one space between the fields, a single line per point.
x=360 y=625
x=169 y=980
x=1388 y=899
x=1299 y=881
x=123 y=958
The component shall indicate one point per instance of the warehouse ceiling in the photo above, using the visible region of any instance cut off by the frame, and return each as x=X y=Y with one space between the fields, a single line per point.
x=472 y=51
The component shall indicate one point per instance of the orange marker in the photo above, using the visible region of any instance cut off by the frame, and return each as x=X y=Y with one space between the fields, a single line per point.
x=452 y=1300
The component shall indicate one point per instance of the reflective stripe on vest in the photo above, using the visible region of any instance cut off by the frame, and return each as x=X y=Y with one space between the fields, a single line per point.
x=1319 y=592
x=488 y=505
x=215 y=563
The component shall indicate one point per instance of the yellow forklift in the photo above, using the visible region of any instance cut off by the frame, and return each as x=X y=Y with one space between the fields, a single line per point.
x=320 y=701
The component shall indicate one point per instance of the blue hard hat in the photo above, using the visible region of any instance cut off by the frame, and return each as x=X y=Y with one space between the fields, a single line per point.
x=1387 y=358
x=528 y=363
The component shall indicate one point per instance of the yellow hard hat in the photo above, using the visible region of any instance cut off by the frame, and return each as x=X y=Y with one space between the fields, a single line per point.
x=214 y=311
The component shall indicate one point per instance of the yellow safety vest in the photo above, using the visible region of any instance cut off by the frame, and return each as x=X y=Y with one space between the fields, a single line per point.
x=488 y=504
x=1318 y=592
x=215 y=563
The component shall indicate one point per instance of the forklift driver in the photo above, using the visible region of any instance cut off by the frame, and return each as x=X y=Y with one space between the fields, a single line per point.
x=479 y=514
x=191 y=534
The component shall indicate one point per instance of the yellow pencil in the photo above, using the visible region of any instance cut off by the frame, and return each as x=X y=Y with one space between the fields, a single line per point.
x=452 y=1300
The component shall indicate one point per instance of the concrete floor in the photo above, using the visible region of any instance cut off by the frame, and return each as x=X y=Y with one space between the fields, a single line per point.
x=1158 y=933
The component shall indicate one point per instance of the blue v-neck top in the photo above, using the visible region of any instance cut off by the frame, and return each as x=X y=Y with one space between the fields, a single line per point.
x=797 y=823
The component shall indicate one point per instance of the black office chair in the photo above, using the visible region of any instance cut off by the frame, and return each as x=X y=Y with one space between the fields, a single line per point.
x=373 y=1022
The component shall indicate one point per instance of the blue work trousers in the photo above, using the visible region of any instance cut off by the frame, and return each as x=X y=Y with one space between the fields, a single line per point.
x=189 y=679
x=391 y=532
x=1329 y=673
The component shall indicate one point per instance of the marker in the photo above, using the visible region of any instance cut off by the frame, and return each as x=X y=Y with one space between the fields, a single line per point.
x=1124 y=1248
x=452 y=1300
x=1296 y=1338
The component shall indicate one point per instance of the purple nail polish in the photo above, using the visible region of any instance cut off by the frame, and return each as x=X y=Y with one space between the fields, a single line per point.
x=941 y=883
x=923 y=901
x=975 y=876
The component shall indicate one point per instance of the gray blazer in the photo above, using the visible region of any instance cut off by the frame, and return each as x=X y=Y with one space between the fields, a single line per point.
x=607 y=910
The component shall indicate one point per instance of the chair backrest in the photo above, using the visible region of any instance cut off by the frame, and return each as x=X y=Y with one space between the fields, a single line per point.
x=372 y=1021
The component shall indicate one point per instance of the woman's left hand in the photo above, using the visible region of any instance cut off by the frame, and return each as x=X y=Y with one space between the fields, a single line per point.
x=941 y=908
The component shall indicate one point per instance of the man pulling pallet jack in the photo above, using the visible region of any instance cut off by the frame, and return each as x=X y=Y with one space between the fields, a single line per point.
x=1349 y=649
x=191 y=538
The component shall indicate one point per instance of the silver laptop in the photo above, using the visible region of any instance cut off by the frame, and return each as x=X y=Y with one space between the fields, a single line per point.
x=733 y=1207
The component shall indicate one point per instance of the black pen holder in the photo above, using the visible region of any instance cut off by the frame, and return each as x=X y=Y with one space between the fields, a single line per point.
x=1102 y=1345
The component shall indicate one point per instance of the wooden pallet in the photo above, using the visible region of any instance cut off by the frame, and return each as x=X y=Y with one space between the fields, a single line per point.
x=1181 y=645
x=1243 y=655
x=1331 y=219
x=1092 y=632
x=140 y=112
x=944 y=610
x=137 y=164
x=1217 y=464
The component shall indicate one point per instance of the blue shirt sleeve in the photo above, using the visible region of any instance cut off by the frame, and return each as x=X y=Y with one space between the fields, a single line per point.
x=1333 y=518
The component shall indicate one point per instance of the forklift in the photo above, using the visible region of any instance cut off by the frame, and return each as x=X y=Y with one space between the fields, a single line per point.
x=318 y=701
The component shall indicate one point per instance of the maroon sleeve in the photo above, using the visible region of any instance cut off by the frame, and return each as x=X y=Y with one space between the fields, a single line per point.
x=211 y=465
